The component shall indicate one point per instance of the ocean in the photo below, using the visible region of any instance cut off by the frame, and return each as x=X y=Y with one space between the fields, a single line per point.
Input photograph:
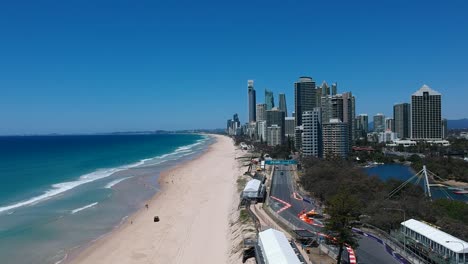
x=58 y=193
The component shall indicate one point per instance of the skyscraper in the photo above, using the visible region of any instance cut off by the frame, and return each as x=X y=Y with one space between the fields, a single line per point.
x=334 y=89
x=341 y=107
x=389 y=124
x=276 y=117
x=426 y=114
x=305 y=97
x=325 y=89
x=282 y=103
x=274 y=136
x=290 y=124
x=335 y=139
x=362 y=125
x=402 y=117
x=312 y=133
x=379 y=123
x=261 y=112
x=252 y=101
x=269 y=100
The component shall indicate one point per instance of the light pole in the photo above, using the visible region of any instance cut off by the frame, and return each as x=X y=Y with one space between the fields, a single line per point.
x=404 y=220
x=463 y=248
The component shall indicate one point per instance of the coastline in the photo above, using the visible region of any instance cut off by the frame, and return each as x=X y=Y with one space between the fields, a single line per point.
x=187 y=207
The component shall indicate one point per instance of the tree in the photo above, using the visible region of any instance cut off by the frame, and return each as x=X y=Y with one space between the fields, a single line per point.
x=342 y=209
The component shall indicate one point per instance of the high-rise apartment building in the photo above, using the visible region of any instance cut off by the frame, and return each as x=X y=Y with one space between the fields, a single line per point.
x=252 y=101
x=312 y=133
x=362 y=125
x=282 y=103
x=335 y=139
x=402 y=118
x=379 y=123
x=269 y=100
x=341 y=107
x=290 y=124
x=276 y=117
x=261 y=112
x=262 y=131
x=334 y=89
x=426 y=114
x=389 y=124
x=305 y=97
x=274 y=137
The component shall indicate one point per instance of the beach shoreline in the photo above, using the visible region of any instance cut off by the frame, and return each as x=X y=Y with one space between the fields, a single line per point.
x=181 y=203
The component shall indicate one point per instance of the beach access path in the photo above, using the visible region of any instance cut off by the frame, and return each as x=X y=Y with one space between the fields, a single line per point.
x=194 y=207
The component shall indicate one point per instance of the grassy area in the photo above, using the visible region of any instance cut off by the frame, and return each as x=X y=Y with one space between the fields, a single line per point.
x=244 y=216
x=241 y=182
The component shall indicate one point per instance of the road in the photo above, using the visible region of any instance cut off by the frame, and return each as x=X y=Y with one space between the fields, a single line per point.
x=369 y=251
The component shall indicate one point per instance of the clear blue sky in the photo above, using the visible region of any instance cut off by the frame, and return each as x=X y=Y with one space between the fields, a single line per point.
x=94 y=66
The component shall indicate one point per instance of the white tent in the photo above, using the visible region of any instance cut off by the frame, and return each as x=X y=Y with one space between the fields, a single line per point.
x=252 y=189
x=276 y=248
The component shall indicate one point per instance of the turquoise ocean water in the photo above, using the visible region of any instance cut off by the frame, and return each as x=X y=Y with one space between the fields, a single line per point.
x=58 y=193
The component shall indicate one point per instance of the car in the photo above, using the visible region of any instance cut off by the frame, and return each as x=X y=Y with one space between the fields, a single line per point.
x=282 y=173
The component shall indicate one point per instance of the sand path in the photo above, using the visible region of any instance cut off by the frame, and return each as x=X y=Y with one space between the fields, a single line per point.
x=194 y=205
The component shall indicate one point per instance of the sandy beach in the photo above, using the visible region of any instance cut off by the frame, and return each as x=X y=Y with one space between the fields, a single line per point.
x=194 y=207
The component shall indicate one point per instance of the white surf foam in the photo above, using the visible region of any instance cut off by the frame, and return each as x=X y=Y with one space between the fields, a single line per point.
x=83 y=208
x=112 y=183
x=103 y=173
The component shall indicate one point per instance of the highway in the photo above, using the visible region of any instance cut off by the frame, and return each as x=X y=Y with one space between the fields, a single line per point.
x=369 y=251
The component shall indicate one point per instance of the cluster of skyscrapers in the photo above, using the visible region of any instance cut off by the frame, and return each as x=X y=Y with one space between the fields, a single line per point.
x=324 y=122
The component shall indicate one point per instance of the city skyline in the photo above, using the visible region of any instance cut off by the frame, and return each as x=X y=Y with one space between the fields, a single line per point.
x=104 y=67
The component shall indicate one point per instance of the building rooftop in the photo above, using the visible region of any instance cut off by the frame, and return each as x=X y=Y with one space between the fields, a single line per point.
x=305 y=79
x=426 y=88
x=436 y=235
x=276 y=248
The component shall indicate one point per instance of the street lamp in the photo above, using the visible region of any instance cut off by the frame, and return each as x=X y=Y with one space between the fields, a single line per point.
x=463 y=248
x=404 y=220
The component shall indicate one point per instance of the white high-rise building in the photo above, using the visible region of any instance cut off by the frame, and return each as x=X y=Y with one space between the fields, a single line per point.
x=261 y=112
x=312 y=134
x=274 y=135
x=335 y=138
x=261 y=131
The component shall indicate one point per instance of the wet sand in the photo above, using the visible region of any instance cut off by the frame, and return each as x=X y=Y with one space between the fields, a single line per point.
x=194 y=206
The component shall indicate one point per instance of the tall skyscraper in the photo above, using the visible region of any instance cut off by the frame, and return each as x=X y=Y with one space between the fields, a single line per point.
x=252 y=101
x=389 y=124
x=341 y=107
x=312 y=133
x=426 y=114
x=335 y=139
x=305 y=97
x=276 y=117
x=261 y=112
x=325 y=89
x=269 y=100
x=362 y=125
x=334 y=89
x=379 y=123
x=282 y=103
x=402 y=117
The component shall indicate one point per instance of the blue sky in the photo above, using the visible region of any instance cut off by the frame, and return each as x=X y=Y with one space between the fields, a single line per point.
x=97 y=66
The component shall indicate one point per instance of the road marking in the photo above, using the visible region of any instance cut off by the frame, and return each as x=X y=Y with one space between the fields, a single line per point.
x=286 y=205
